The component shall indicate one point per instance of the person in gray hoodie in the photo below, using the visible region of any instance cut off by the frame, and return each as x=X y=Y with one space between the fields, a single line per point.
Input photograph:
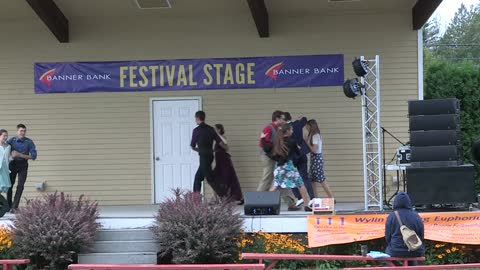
x=395 y=245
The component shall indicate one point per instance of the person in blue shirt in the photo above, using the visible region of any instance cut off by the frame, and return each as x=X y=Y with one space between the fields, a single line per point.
x=23 y=149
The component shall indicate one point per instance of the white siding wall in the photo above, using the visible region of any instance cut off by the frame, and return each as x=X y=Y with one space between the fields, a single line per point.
x=99 y=143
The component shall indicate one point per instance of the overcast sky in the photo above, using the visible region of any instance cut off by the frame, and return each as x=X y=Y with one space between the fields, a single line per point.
x=447 y=9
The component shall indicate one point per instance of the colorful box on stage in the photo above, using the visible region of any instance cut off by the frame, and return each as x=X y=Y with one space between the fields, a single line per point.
x=323 y=206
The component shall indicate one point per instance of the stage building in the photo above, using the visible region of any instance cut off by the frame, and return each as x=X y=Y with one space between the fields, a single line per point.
x=105 y=144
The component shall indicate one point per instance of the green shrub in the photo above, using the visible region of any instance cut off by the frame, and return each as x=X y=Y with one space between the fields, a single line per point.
x=191 y=231
x=51 y=230
x=462 y=81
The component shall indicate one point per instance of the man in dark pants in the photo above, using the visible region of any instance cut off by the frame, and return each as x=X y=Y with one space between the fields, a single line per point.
x=202 y=141
x=23 y=149
x=301 y=161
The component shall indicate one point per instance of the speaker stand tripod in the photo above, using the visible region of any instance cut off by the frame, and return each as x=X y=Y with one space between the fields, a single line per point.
x=387 y=202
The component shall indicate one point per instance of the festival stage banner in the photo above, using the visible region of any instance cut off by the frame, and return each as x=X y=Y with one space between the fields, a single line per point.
x=191 y=74
x=323 y=230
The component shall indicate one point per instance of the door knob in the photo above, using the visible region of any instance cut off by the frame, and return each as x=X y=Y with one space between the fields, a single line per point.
x=157 y=158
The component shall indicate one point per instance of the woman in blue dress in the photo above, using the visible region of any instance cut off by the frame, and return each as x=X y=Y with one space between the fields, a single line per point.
x=5 y=157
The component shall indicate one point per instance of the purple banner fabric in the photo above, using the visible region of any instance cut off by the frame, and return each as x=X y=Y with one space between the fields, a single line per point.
x=192 y=74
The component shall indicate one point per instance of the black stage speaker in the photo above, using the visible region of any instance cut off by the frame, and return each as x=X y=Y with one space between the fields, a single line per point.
x=434 y=106
x=435 y=122
x=441 y=185
x=262 y=203
x=434 y=138
x=435 y=153
x=476 y=151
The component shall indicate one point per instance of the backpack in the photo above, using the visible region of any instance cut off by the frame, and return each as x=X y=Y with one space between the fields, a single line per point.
x=274 y=132
x=410 y=237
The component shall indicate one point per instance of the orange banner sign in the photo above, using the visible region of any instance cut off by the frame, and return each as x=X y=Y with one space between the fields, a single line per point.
x=324 y=230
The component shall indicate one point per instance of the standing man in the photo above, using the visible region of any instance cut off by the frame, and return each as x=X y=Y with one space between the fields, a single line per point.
x=202 y=142
x=23 y=149
x=300 y=161
x=268 y=164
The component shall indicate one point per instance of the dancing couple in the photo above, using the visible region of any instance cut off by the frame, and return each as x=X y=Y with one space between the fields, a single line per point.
x=223 y=179
x=284 y=160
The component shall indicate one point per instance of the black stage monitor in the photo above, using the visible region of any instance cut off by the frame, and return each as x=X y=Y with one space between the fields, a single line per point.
x=262 y=203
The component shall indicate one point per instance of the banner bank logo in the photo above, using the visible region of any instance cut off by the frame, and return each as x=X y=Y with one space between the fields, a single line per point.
x=51 y=76
x=46 y=77
x=277 y=70
x=272 y=72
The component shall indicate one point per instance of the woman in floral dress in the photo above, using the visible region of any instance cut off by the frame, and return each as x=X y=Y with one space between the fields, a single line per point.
x=283 y=151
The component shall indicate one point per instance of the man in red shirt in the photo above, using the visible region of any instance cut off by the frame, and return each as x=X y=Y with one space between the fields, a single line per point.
x=268 y=164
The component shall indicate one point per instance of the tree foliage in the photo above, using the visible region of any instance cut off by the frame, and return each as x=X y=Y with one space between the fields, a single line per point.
x=451 y=69
x=461 y=40
x=462 y=81
x=431 y=33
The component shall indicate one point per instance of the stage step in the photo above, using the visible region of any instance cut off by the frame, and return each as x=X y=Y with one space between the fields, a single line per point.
x=125 y=246
x=124 y=235
x=118 y=258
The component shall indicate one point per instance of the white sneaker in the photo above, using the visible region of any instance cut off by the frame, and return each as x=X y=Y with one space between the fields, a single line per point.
x=310 y=203
x=299 y=202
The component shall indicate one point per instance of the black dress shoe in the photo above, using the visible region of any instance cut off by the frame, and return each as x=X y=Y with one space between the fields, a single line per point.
x=293 y=208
